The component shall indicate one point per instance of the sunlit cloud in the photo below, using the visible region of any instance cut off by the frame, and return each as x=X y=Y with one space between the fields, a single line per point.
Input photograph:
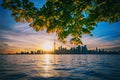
x=15 y=37
x=93 y=42
x=24 y=38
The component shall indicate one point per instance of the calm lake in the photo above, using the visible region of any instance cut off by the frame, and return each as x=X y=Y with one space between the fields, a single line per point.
x=59 y=67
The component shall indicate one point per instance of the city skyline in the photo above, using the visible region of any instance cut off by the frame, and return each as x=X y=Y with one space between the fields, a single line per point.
x=15 y=37
x=74 y=50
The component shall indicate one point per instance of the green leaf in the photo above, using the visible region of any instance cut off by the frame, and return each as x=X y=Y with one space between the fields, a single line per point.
x=65 y=17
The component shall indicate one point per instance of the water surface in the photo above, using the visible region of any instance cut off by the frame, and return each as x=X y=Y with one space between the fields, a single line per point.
x=59 y=67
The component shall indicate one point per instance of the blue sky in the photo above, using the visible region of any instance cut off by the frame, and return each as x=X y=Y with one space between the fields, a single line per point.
x=20 y=37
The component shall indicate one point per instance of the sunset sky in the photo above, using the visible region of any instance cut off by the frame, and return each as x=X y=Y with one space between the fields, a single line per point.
x=16 y=37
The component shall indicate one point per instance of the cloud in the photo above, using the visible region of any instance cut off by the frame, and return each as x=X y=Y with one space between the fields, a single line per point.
x=24 y=39
x=113 y=49
x=101 y=42
x=3 y=47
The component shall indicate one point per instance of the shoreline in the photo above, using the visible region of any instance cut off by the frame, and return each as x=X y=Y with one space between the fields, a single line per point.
x=64 y=54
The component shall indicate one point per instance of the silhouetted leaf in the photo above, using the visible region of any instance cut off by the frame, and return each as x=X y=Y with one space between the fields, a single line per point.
x=65 y=17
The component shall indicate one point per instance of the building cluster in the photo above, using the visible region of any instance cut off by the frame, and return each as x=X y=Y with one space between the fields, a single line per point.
x=82 y=50
x=74 y=50
x=31 y=52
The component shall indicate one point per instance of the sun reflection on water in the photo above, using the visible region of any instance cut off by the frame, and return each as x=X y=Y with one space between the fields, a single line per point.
x=53 y=67
x=47 y=59
x=47 y=67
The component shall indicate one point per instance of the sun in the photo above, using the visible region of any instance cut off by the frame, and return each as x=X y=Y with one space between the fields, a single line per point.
x=47 y=46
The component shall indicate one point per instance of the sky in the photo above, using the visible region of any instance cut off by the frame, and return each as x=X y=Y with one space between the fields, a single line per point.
x=16 y=37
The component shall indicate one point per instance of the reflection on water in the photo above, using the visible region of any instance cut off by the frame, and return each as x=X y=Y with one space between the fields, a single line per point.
x=47 y=67
x=61 y=67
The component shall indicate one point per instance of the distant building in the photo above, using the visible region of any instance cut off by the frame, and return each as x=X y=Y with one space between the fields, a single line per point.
x=74 y=50
x=39 y=52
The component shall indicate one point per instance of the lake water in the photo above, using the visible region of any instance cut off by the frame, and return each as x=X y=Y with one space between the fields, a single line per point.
x=59 y=67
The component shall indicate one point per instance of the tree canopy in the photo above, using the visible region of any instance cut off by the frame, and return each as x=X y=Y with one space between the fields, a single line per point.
x=65 y=17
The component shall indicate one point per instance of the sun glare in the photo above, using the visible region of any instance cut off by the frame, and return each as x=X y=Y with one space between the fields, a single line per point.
x=47 y=46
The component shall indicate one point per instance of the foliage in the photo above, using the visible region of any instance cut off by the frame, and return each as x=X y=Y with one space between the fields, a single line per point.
x=65 y=17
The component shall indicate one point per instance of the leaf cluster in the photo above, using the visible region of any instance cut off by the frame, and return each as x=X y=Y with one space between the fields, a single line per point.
x=65 y=17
